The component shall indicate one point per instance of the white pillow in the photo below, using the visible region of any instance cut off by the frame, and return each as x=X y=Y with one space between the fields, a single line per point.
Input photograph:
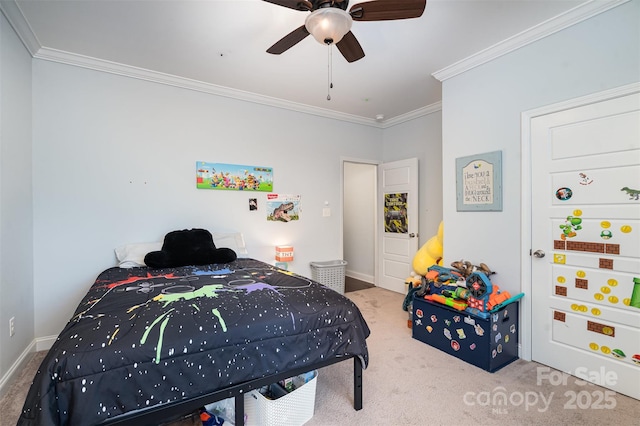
x=132 y=255
x=232 y=240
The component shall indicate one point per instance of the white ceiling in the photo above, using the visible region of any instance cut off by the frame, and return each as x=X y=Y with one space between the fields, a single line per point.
x=219 y=46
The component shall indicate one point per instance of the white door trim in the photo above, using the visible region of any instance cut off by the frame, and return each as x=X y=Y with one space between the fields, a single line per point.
x=526 y=334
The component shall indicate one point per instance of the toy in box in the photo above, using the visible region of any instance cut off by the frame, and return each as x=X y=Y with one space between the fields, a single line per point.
x=474 y=293
x=489 y=342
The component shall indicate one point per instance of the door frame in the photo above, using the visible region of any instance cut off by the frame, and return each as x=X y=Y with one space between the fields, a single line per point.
x=376 y=255
x=526 y=326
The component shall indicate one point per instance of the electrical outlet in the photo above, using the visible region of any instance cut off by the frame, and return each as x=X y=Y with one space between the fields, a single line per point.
x=12 y=326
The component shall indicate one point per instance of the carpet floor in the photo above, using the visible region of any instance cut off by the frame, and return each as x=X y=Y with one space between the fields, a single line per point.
x=410 y=383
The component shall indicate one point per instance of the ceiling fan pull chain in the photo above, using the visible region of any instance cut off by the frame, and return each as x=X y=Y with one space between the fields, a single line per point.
x=329 y=73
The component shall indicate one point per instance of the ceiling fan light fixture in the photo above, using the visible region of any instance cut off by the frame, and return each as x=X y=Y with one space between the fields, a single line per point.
x=328 y=25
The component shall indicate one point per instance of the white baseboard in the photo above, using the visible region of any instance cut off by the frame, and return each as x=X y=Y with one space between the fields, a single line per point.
x=45 y=343
x=18 y=365
x=37 y=345
x=359 y=276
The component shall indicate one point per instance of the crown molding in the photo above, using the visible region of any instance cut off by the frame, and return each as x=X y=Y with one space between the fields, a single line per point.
x=420 y=112
x=16 y=19
x=82 y=61
x=544 y=29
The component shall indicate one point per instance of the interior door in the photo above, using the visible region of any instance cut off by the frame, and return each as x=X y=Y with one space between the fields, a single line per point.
x=398 y=223
x=585 y=165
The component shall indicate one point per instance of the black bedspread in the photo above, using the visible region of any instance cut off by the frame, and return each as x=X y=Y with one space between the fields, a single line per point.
x=143 y=337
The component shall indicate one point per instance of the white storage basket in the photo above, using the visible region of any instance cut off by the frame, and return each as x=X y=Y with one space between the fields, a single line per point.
x=330 y=273
x=293 y=409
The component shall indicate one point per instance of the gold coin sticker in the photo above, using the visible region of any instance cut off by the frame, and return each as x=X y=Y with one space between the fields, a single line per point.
x=613 y=299
x=605 y=224
x=607 y=331
x=581 y=274
x=575 y=307
x=577 y=212
x=595 y=311
x=626 y=301
x=606 y=350
x=598 y=296
x=612 y=282
x=605 y=290
x=561 y=279
x=626 y=229
x=583 y=308
x=594 y=346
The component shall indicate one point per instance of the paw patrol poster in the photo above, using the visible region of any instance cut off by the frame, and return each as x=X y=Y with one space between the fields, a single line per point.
x=233 y=177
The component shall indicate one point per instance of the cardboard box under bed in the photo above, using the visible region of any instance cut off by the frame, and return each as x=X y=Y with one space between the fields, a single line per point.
x=488 y=343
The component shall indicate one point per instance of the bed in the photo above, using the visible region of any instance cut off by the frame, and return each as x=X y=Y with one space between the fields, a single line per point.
x=146 y=345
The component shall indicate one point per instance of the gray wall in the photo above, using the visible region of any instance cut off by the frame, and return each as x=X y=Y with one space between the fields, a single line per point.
x=482 y=113
x=421 y=138
x=16 y=227
x=114 y=162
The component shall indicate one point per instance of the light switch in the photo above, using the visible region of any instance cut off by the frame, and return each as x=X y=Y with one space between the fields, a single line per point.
x=326 y=212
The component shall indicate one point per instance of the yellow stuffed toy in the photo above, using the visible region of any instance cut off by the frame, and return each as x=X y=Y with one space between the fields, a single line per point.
x=429 y=254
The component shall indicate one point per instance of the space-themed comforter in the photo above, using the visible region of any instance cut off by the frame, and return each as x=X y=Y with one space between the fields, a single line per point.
x=143 y=337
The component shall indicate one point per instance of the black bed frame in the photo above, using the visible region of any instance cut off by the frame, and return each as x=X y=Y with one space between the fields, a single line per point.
x=174 y=410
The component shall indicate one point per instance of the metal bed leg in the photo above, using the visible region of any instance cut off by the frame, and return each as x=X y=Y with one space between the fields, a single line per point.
x=240 y=409
x=357 y=384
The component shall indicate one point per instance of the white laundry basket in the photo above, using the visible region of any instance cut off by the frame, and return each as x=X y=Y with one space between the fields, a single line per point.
x=330 y=273
x=293 y=409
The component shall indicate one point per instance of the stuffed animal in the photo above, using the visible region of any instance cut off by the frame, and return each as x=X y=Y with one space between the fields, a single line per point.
x=430 y=253
x=188 y=247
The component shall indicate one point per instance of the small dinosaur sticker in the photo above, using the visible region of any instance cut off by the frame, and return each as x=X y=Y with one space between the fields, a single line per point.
x=634 y=194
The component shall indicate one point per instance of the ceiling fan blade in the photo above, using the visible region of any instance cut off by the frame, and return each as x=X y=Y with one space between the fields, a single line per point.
x=303 y=5
x=386 y=10
x=350 y=47
x=288 y=41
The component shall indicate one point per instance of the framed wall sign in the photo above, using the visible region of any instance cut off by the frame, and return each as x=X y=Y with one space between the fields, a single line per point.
x=479 y=182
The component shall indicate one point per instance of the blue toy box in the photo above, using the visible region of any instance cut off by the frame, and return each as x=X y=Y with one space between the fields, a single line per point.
x=489 y=343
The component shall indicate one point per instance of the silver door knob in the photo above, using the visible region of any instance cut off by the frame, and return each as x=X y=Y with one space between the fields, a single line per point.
x=538 y=253
x=412 y=235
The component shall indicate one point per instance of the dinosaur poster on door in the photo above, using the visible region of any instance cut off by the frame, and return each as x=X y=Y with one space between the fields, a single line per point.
x=283 y=207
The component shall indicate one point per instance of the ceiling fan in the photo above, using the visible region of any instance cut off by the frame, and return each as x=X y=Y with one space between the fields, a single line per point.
x=330 y=23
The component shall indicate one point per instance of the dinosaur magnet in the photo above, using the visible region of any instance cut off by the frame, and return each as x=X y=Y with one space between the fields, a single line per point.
x=634 y=194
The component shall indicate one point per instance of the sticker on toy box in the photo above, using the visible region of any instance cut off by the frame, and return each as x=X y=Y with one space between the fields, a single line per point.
x=455 y=345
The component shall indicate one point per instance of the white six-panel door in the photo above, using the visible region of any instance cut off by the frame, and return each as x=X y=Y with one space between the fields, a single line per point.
x=585 y=283
x=398 y=223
